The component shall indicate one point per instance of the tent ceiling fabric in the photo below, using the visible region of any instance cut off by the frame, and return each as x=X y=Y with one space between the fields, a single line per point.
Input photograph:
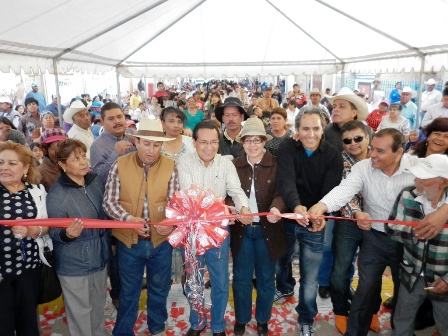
x=167 y=38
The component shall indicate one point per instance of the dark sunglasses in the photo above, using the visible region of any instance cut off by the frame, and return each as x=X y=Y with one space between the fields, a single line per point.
x=357 y=139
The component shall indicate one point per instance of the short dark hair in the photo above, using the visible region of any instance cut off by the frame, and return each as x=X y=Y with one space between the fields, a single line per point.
x=172 y=110
x=292 y=102
x=160 y=83
x=354 y=124
x=310 y=111
x=445 y=91
x=397 y=137
x=6 y=121
x=107 y=107
x=36 y=144
x=17 y=107
x=31 y=100
x=395 y=105
x=268 y=88
x=66 y=147
x=204 y=124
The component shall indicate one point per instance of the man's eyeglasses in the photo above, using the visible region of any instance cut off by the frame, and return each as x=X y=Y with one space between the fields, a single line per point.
x=256 y=141
x=356 y=138
x=206 y=143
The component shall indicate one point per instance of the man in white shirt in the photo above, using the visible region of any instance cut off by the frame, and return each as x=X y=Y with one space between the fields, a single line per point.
x=292 y=111
x=78 y=115
x=431 y=96
x=437 y=110
x=209 y=170
x=140 y=112
x=380 y=179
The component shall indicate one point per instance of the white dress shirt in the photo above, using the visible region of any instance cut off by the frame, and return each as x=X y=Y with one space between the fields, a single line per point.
x=220 y=176
x=379 y=190
x=434 y=111
x=85 y=136
x=430 y=98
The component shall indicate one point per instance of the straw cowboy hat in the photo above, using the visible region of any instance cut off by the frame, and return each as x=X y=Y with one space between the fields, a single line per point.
x=346 y=93
x=407 y=89
x=74 y=108
x=253 y=126
x=150 y=129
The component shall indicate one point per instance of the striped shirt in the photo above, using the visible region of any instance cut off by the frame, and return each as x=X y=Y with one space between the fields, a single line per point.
x=111 y=199
x=378 y=189
x=220 y=176
x=357 y=202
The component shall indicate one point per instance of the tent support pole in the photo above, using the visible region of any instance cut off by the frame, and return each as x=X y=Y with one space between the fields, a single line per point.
x=58 y=95
x=419 y=92
x=118 y=87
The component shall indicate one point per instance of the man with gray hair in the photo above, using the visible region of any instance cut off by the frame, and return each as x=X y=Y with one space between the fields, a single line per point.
x=424 y=266
x=307 y=170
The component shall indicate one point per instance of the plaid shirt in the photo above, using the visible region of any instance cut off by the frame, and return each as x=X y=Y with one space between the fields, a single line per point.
x=427 y=258
x=357 y=202
x=112 y=194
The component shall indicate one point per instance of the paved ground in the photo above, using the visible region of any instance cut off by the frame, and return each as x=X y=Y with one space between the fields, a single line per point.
x=283 y=320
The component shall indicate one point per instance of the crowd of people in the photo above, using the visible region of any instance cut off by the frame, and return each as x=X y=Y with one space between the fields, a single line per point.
x=261 y=151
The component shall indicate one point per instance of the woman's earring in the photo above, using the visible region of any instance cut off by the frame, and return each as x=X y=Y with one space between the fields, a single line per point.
x=24 y=177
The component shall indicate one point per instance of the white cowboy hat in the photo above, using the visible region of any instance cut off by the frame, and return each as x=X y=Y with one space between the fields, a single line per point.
x=431 y=81
x=150 y=129
x=407 y=89
x=316 y=91
x=5 y=99
x=74 y=108
x=346 y=93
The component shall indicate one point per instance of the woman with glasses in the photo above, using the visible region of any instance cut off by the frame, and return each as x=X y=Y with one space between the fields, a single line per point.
x=279 y=129
x=256 y=246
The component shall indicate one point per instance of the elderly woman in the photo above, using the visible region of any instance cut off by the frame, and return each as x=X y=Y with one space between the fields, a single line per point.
x=47 y=119
x=279 y=129
x=22 y=198
x=49 y=168
x=80 y=254
x=173 y=124
x=257 y=246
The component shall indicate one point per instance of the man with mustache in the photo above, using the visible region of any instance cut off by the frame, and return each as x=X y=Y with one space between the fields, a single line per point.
x=232 y=114
x=110 y=145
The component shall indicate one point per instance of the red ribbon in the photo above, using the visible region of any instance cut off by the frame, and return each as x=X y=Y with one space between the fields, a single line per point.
x=112 y=224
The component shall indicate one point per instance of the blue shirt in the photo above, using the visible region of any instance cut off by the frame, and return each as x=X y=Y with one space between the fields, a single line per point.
x=103 y=154
x=53 y=108
x=193 y=120
x=394 y=96
x=409 y=111
x=39 y=97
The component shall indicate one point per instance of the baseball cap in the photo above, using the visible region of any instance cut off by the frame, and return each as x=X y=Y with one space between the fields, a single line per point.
x=435 y=165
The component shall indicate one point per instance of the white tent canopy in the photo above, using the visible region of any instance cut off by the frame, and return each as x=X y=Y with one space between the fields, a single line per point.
x=214 y=38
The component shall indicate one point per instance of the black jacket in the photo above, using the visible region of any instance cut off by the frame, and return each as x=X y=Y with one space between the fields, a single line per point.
x=303 y=180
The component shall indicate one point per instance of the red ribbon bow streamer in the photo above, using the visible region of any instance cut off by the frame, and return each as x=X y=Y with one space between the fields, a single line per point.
x=195 y=212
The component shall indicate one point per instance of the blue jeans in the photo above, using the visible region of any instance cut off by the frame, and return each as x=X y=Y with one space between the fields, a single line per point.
x=283 y=269
x=131 y=262
x=217 y=261
x=327 y=258
x=311 y=246
x=347 y=237
x=253 y=255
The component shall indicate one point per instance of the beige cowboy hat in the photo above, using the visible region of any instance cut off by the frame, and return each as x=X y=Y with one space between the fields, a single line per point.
x=150 y=129
x=253 y=126
x=346 y=93
x=316 y=91
x=74 y=108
